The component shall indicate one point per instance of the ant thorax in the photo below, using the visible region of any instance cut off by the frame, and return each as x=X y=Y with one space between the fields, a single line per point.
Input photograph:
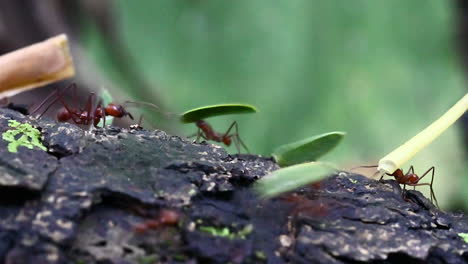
x=409 y=178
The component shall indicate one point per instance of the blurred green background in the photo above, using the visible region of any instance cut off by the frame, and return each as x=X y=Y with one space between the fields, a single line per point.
x=379 y=70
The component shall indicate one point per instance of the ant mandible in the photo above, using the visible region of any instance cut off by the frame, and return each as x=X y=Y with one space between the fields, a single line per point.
x=410 y=178
x=208 y=133
x=82 y=116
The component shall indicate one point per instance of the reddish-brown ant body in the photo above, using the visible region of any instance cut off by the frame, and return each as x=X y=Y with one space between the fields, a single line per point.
x=166 y=217
x=208 y=133
x=86 y=116
x=411 y=179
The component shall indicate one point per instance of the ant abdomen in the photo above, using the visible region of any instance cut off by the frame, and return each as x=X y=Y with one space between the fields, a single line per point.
x=413 y=178
x=63 y=115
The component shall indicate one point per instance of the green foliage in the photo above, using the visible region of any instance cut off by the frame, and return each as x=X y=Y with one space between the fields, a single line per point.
x=29 y=136
x=309 y=149
x=226 y=232
x=464 y=236
x=215 y=110
x=309 y=65
x=290 y=178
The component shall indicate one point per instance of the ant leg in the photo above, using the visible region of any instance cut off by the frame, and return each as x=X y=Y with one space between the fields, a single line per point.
x=433 y=197
x=431 y=168
x=403 y=193
x=230 y=127
x=74 y=96
x=44 y=101
x=236 y=142
x=102 y=115
x=234 y=124
x=411 y=169
x=56 y=93
x=236 y=135
x=365 y=166
x=198 y=135
x=140 y=120
x=74 y=116
x=240 y=140
x=381 y=178
x=432 y=182
x=89 y=109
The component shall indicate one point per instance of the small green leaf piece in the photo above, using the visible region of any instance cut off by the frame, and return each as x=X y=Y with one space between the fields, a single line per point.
x=226 y=232
x=29 y=138
x=464 y=236
x=352 y=180
x=290 y=178
x=215 y=110
x=309 y=149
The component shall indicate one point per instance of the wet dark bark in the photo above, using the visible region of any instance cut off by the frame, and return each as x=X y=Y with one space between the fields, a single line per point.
x=101 y=197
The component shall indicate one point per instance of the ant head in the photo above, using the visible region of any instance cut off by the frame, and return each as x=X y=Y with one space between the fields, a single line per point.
x=227 y=140
x=63 y=115
x=413 y=178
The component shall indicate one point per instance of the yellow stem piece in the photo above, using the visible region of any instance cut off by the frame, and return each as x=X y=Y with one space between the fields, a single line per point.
x=402 y=154
x=35 y=65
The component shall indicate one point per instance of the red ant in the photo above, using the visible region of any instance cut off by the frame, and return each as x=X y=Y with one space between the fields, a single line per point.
x=207 y=132
x=410 y=179
x=165 y=218
x=83 y=116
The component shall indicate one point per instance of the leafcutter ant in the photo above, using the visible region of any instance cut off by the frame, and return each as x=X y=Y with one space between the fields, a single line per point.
x=206 y=132
x=410 y=179
x=91 y=114
x=165 y=217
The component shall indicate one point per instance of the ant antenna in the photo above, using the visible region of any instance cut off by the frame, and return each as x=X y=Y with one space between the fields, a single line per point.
x=368 y=166
x=143 y=103
x=365 y=166
x=167 y=115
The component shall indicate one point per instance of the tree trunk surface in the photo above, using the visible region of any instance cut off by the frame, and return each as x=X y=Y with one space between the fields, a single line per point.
x=119 y=195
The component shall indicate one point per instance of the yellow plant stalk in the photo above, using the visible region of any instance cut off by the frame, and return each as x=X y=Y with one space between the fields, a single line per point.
x=402 y=154
x=35 y=65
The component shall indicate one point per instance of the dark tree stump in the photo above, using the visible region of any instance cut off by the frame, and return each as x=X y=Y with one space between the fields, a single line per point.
x=82 y=201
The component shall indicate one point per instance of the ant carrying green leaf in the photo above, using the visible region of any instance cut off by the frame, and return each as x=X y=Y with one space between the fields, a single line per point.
x=206 y=131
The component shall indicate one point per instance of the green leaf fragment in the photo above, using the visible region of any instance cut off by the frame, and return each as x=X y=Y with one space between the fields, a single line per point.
x=309 y=149
x=290 y=178
x=464 y=236
x=204 y=112
x=226 y=232
x=352 y=180
x=30 y=136
x=216 y=231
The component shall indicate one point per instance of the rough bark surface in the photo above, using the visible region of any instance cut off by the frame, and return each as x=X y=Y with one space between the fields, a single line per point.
x=84 y=200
